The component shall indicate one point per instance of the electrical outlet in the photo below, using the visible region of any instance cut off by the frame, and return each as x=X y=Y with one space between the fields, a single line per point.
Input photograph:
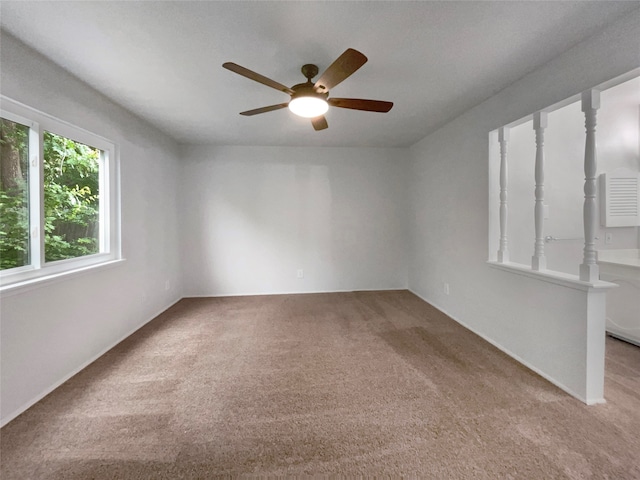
x=446 y=288
x=167 y=284
x=300 y=273
x=608 y=238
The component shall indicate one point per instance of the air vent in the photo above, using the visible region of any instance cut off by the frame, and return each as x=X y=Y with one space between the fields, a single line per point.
x=620 y=199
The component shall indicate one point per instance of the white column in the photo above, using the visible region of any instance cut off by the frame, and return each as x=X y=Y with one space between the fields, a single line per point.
x=596 y=334
x=590 y=105
x=539 y=261
x=503 y=251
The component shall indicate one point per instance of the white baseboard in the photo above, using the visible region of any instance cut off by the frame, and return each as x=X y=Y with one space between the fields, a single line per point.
x=519 y=359
x=40 y=396
x=257 y=294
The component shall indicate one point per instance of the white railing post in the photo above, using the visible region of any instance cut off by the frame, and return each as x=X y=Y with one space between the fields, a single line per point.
x=539 y=261
x=590 y=105
x=503 y=251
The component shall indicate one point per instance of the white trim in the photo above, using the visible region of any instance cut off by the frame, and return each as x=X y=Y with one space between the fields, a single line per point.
x=26 y=111
x=630 y=75
x=36 y=208
x=621 y=335
x=28 y=273
x=576 y=97
x=311 y=292
x=40 y=396
x=551 y=276
x=44 y=280
x=519 y=359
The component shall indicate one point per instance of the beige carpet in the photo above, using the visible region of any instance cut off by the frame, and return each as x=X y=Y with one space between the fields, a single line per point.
x=375 y=383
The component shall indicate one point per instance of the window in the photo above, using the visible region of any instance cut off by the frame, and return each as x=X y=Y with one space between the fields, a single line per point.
x=58 y=196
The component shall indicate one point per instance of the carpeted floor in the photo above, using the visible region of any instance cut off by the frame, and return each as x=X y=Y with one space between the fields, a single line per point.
x=375 y=383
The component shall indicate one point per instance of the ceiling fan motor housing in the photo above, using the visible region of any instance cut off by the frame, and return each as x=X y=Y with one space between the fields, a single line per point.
x=307 y=90
x=309 y=71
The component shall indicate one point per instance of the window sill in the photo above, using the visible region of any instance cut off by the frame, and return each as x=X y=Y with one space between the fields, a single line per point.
x=39 y=282
x=551 y=276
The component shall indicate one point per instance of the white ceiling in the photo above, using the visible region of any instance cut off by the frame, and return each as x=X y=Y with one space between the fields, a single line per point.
x=434 y=60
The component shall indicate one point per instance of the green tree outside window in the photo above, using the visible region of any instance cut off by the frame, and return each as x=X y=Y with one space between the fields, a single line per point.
x=71 y=197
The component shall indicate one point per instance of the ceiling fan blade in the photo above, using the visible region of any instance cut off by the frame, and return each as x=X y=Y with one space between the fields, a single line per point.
x=319 y=123
x=346 y=64
x=360 y=104
x=245 y=72
x=270 y=108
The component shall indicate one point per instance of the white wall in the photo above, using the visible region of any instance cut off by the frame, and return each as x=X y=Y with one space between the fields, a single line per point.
x=542 y=324
x=50 y=332
x=252 y=216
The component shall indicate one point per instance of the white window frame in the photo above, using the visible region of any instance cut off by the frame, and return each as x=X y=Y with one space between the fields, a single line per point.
x=109 y=237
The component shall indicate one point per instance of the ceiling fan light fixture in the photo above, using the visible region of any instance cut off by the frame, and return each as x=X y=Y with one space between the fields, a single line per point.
x=309 y=100
x=308 y=106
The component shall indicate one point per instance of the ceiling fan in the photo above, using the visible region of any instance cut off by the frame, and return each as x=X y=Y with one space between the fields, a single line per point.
x=311 y=100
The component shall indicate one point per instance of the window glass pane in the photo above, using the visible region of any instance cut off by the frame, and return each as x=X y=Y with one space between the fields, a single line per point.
x=14 y=194
x=71 y=198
